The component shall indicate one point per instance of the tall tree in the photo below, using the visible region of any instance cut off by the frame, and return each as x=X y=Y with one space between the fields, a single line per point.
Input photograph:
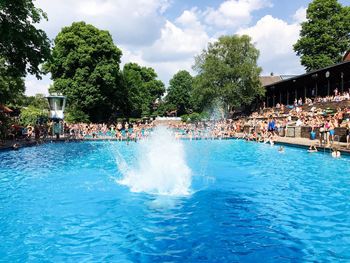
x=180 y=92
x=85 y=68
x=325 y=36
x=228 y=73
x=11 y=86
x=143 y=89
x=22 y=45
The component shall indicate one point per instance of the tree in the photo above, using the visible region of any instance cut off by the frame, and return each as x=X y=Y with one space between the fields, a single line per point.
x=38 y=101
x=180 y=92
x=22 y=45
x=228 y=73
x=11 y=86
x=85 y=68
x=73 y=115
x=30 y=115
x=33 y=108
x=325 y=36
x=143 y=89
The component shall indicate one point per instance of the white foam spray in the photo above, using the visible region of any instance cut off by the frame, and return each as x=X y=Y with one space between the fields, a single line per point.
x=160 y=167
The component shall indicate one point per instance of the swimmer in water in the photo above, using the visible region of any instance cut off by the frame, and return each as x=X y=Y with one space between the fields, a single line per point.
x=335 y=153
x=15 y=146
x=312 y=149
x=281 y=149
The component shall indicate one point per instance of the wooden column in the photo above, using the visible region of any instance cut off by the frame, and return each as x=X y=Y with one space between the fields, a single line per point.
x=280 y=97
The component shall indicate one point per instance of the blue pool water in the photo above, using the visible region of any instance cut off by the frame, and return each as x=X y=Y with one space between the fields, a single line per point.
x=60 y=202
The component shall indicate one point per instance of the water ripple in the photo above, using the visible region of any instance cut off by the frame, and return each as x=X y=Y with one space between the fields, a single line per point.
x=59 y=202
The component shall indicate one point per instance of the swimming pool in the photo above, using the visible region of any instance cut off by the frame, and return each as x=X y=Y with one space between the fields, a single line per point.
x=60 y=202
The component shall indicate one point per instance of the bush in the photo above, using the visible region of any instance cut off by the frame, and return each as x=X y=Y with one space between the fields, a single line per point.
x=184 y=118
x=31 y=114
x=195 y=117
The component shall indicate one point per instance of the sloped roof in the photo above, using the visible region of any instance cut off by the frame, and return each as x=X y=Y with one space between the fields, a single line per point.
x=268 y=80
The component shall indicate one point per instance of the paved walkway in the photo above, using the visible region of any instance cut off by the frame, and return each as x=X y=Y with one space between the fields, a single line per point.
x=307 y=142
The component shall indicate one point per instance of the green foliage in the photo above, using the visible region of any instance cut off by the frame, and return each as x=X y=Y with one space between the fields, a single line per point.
x=76 y=116
x=11 y=87
x=163 y=108
x=228 y=72
x=38 y=101
x=5 y=123
x=22 y=45
x=85 y=68
x=31 y=114
x=325 y=36
x=142 y=89
x=34 y=108
x=195 y=117
x=180 y=92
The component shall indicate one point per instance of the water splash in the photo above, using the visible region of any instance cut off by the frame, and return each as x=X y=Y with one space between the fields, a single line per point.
x=160 y=167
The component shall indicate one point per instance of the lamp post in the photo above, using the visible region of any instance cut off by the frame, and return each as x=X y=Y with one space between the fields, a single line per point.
x=57 y=104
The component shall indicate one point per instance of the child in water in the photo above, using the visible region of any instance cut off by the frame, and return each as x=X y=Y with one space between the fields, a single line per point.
x=335 y=153
x=312 y=149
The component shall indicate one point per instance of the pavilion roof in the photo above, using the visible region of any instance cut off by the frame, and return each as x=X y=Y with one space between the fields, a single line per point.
x=316 y=73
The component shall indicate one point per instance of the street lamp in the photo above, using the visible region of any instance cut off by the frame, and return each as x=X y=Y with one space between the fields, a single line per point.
x=57 y=104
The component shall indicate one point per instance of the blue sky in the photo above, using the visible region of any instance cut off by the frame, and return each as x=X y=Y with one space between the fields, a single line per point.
x=167 y=34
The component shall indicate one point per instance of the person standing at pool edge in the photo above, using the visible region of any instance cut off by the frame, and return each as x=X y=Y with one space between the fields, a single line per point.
x=271 y=125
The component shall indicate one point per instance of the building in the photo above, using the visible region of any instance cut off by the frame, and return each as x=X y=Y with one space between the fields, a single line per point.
x=320 y=82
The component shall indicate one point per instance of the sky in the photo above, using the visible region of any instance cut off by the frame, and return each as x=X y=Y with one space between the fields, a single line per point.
x=167 y=34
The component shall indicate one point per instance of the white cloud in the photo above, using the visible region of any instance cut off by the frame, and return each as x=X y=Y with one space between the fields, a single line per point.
x=176 y=44
x=140 y=28
x=300 y=15
x=136 y=22
x=189 y=19
x=34 y=86
x=164 y=69
x=275 y=38
x=93 y=8
x=175 y=49
x=234 y=13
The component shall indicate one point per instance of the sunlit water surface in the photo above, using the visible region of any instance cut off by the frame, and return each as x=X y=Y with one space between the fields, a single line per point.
x=62 y=202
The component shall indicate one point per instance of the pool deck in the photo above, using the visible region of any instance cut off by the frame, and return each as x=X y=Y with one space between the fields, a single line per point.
x=288 y=141
x=305 y=143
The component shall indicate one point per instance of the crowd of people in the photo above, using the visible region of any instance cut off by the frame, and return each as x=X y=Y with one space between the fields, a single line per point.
x=262 y=126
